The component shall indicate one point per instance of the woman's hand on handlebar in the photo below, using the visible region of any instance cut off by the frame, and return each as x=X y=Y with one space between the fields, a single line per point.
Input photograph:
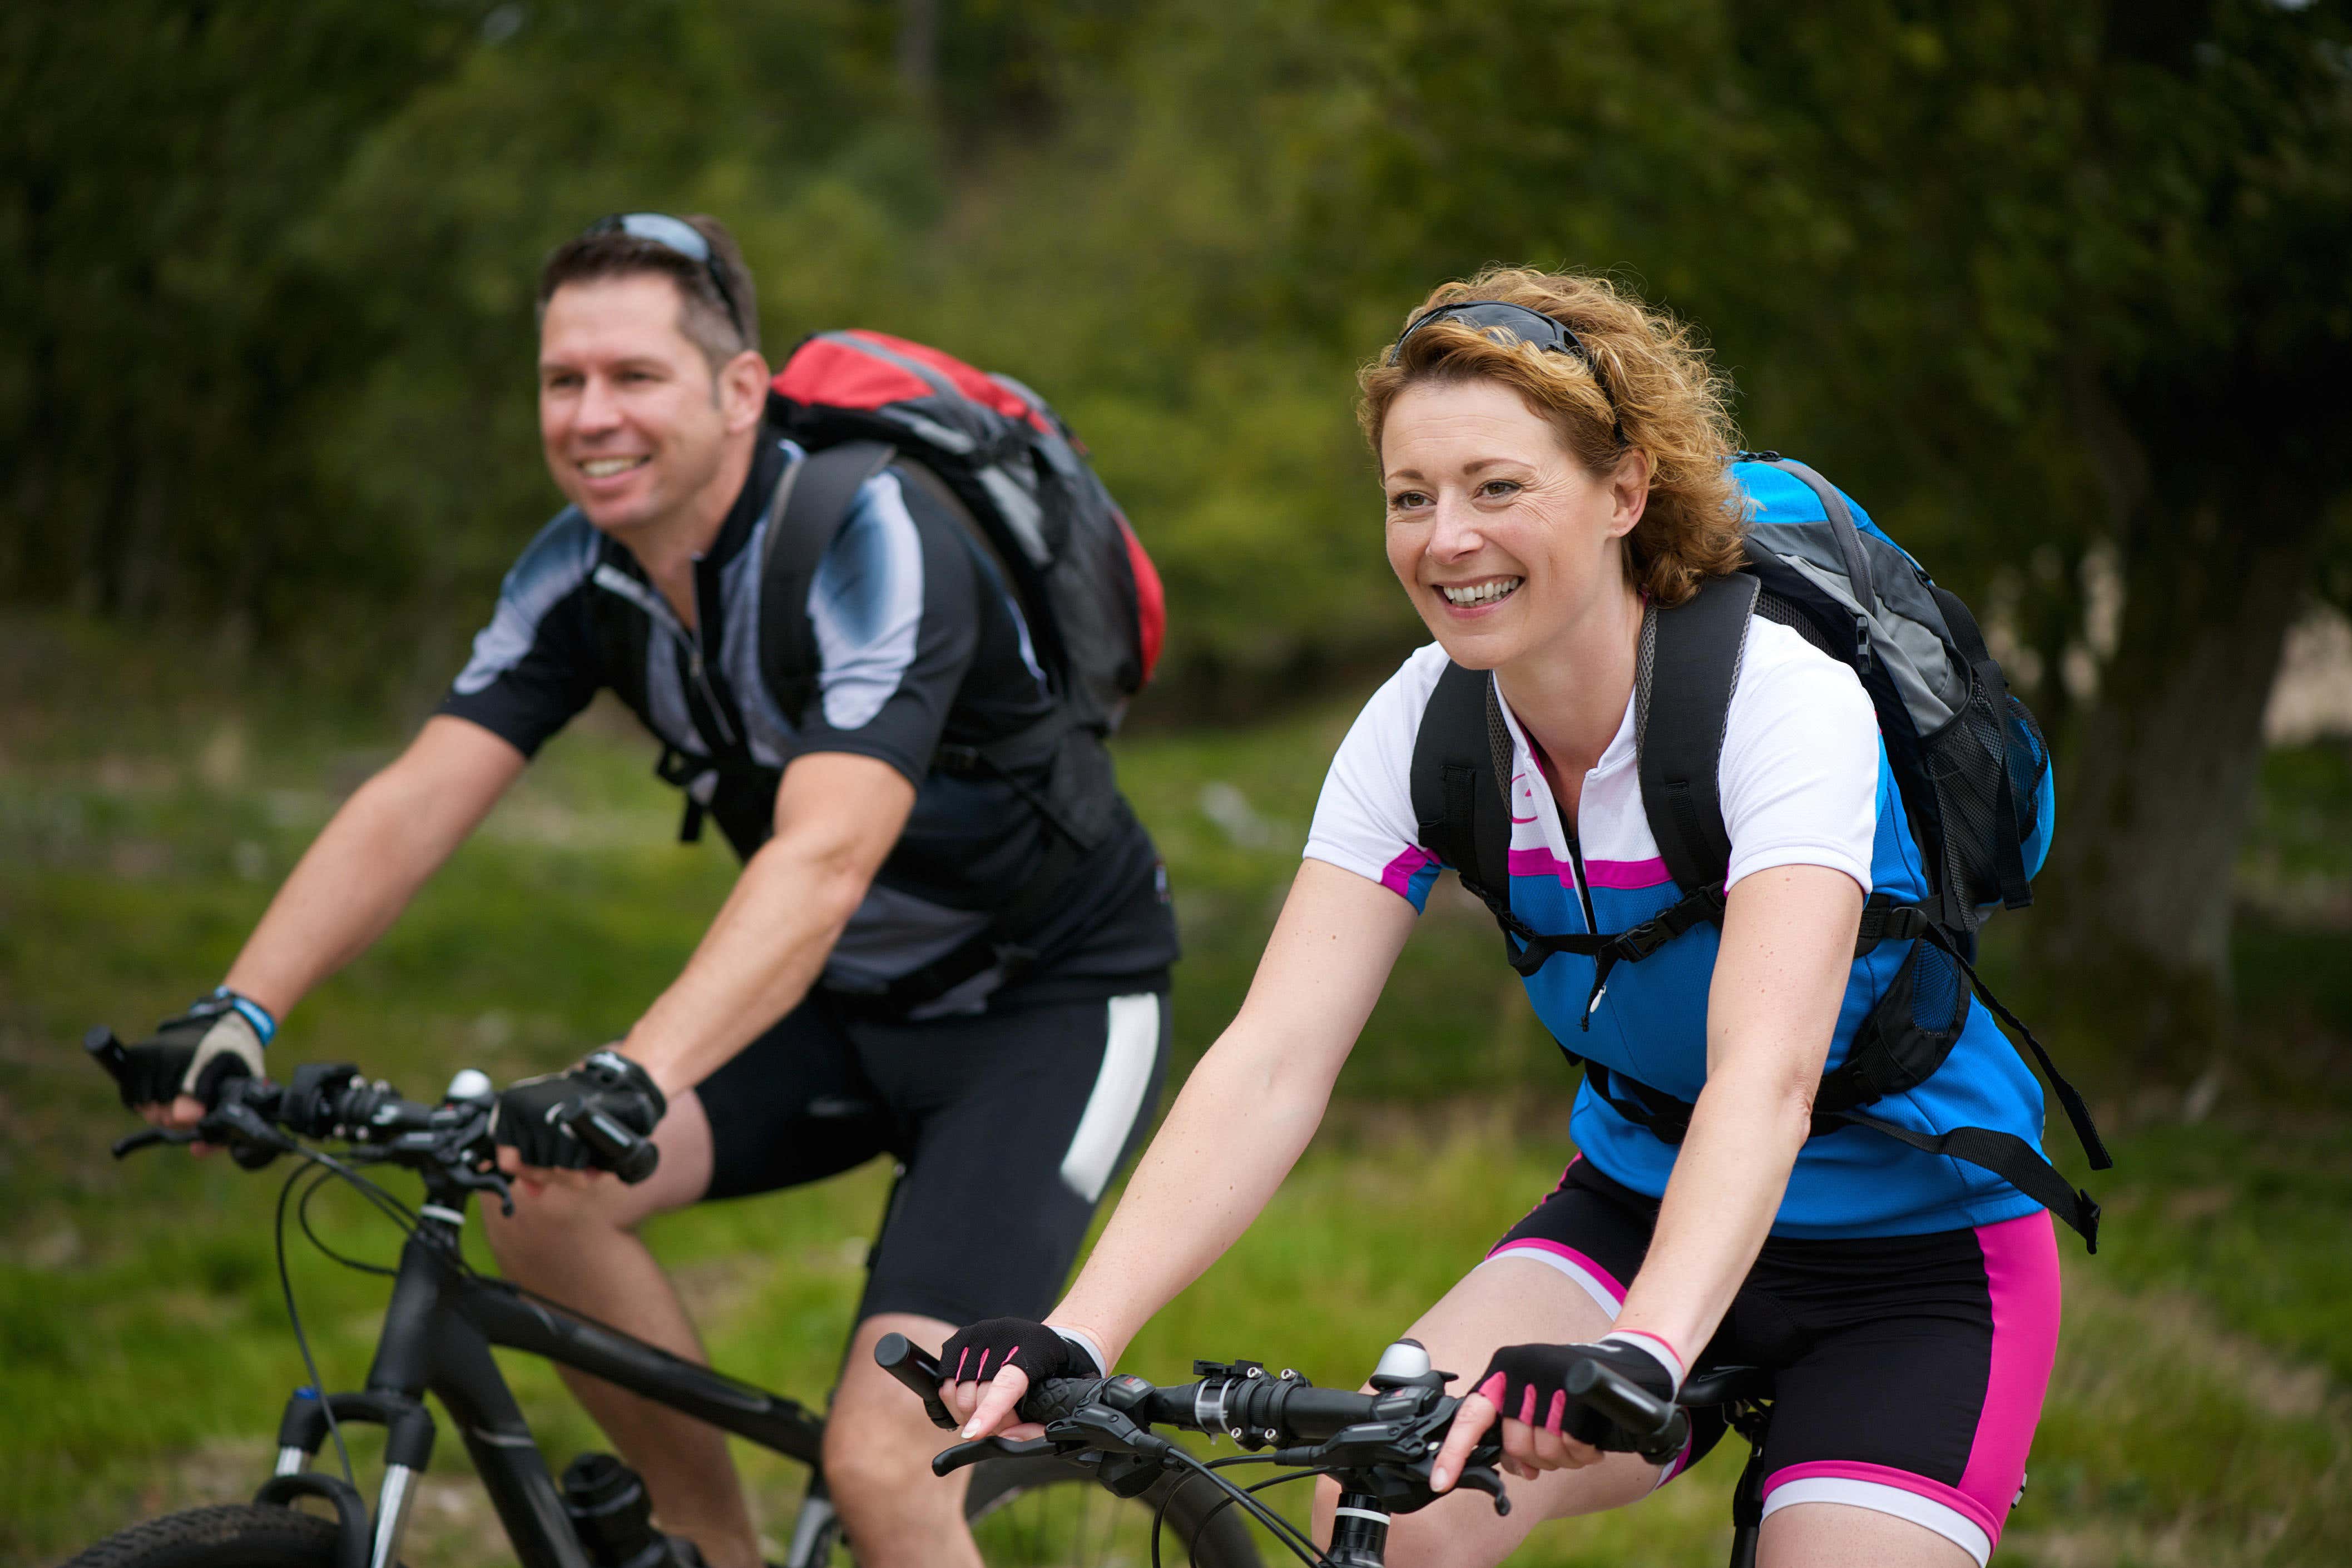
x=987 y=1367
x=1544 y=1427
x=1527 y=1451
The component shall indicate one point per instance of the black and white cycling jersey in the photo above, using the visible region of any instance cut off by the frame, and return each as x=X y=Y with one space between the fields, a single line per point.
x=920 y=644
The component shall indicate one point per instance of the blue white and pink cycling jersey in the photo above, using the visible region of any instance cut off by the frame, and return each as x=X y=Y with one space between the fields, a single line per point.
x=1942 y=1278
x=1804 y=781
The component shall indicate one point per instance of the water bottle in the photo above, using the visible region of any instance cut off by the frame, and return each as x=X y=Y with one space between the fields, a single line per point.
x=611 y=1515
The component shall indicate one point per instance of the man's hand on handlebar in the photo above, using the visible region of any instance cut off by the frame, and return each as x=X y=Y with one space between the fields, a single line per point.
x=1544 y=1426
x=987 y=1367
x=174 y=1076
x=536 y=1121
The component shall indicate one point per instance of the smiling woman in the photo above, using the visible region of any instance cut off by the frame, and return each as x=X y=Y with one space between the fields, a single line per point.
x=1612 y=378
x=1553 y=459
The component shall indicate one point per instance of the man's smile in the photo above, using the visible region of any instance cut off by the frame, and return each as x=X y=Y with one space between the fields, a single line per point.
x=606 y=468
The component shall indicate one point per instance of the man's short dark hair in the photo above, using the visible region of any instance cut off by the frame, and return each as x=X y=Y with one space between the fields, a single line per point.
x=703 y=311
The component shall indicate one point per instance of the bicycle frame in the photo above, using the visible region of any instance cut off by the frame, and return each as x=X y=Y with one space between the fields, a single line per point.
x=437 y=1335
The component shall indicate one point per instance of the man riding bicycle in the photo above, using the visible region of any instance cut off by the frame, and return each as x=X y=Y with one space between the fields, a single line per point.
x=855 y=993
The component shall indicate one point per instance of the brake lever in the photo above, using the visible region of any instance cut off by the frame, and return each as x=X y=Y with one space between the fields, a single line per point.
x=1485 y=1478
x=492 y=1181
x=955 y=1458
x=252 y=1142
x=1108 y=1431
x=125 y=1146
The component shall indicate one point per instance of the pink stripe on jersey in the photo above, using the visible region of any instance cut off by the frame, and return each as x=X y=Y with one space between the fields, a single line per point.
x=1538 y=861
x=1959 y=1503
x=2021 y=1264
x=1628 y=877
x=1398 y=874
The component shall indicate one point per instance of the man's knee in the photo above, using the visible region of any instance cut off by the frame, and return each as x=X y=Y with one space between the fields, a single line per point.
x=557 y=1214
x=555 y=1218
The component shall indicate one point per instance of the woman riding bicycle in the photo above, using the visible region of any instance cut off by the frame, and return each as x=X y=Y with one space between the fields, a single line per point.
x=1552 y=455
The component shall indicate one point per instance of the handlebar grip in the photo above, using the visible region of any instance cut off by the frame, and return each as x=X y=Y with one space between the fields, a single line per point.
x=107 y=1052
x=1659 y=1429
x=897 y=1355
x=623 y=1152
x=1058 y=1397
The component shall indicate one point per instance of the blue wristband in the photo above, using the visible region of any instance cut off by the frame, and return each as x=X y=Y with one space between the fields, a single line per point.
x=255 y=1013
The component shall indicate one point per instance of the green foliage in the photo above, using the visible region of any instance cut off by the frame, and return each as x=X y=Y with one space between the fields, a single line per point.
x=267 y=359
x=2199 y=1412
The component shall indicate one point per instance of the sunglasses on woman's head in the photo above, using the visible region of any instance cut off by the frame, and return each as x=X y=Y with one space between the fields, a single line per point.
x=1518 y=324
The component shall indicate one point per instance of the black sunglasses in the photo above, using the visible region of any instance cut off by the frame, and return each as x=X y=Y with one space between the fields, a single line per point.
x=677 y=234
x=1518 y=324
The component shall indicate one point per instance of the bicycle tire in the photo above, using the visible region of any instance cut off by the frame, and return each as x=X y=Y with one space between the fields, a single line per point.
x=225 y=1535
x=1028 y=1513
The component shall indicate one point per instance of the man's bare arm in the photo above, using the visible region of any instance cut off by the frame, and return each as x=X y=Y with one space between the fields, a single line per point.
x=366 y=865
x=370 y=859
x=837 y=816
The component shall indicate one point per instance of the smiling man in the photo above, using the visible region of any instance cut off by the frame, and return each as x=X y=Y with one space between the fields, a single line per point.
x=827 y=1018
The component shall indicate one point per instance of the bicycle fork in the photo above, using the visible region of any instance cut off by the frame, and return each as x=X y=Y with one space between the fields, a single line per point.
x=407 y=1449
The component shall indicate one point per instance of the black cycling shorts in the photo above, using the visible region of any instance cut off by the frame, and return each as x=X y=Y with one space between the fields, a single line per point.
x=1009 y=1123
x=1909 y=1370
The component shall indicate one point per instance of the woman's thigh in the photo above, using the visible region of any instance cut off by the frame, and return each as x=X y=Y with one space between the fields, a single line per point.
x=1914 y=1395
x=1504 y=1300
x=1833 y=1536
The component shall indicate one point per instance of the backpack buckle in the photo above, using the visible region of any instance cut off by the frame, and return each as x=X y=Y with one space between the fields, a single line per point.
x=1862 y=659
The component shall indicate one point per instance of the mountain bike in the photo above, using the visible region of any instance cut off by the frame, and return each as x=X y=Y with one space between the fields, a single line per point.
x=1379 y=1445
x=439 y=1326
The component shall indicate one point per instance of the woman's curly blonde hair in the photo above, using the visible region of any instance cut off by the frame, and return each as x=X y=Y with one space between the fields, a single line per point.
x=1668 y=400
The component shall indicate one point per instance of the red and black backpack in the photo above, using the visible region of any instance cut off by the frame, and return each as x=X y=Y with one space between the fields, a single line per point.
x=997 y=457
x=1003 y=462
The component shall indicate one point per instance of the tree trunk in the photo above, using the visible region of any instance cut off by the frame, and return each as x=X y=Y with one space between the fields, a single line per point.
x=918 y=51
x=2159 y=779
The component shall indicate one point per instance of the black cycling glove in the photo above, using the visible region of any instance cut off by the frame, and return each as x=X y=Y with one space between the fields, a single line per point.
x=218 y=1039
x=1529 y=1382
x=979 y=1352
x=533 y=1117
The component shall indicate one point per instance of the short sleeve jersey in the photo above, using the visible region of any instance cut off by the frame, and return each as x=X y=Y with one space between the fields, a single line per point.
x=1804 y=781
x=920 y=643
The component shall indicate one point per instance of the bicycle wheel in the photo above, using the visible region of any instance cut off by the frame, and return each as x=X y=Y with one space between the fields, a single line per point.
x=1047 y=1512
x=229 y=1535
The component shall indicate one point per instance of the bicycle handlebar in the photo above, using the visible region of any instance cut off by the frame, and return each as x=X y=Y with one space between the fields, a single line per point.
x=1242 y=1403
x=332 y=1101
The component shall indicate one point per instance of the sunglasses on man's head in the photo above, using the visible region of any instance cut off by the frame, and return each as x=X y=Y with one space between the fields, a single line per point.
x=677 y=234
x=1514 y=323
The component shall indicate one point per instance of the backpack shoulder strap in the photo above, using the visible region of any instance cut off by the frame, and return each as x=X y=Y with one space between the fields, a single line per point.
x=1689 y=662
x=1461 y=768
x=810 y=502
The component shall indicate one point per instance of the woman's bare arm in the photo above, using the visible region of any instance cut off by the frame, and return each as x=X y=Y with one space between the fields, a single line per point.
x=1243 y=1120
x=1780 y=980
x=1780 y=977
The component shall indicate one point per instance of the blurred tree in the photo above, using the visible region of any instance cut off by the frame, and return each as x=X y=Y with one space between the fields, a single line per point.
x=166 y=337
x=2093 y=300
x=2061 y=294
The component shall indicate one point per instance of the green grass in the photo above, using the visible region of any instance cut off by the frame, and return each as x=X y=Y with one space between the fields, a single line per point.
x=2200 y=1412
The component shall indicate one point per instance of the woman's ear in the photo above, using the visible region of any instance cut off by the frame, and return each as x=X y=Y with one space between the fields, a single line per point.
x=1628 y=491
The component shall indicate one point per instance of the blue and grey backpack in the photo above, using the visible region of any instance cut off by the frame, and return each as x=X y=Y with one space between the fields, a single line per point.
x=1966 y=753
